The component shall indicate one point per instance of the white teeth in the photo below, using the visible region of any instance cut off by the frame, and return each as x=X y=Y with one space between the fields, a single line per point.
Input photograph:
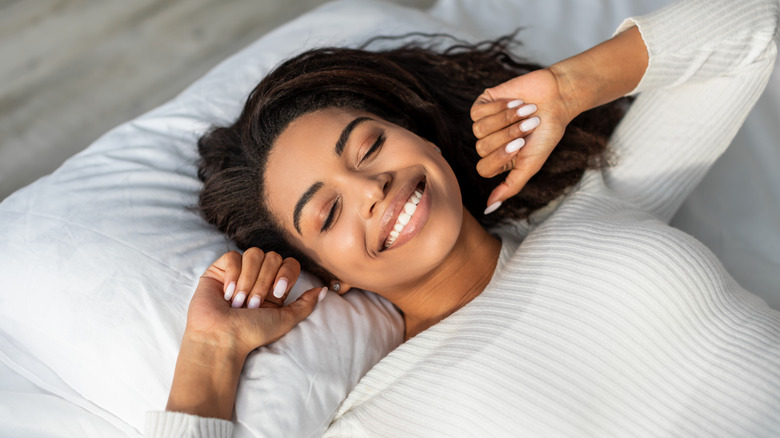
x=404 y=217
x=393 y=235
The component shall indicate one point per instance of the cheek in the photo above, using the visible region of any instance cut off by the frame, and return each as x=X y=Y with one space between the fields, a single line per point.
x=449 y=175
x=343 y=250
x=340 y=250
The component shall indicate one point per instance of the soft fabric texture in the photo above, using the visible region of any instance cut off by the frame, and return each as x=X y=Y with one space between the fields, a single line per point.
x=175 y=424
x=605 y=321
x=99 y=259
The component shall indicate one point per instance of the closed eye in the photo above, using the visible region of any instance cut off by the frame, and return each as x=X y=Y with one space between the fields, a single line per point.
x=380 y=140
x=330 y=219
x=328 y=223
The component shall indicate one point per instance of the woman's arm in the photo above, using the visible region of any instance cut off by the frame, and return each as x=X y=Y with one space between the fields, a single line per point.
x=603 y=73
x=561 y=92
x=708 y=61
x=232 y=312
x=206 y=376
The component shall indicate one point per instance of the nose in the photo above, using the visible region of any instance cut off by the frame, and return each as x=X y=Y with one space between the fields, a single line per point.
x=372 y=190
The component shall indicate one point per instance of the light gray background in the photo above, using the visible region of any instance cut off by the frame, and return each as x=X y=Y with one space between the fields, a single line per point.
x=70 y=70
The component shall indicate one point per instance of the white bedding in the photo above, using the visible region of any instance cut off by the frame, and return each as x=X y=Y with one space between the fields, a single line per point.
x=100 y=258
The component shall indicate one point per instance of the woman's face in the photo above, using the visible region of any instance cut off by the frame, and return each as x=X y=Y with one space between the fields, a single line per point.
x=369 y=201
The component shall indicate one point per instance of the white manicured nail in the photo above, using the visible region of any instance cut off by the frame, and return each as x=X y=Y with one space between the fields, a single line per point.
x=239 y=300
x=530 y=124
x=254 y=303
x=526 y=110
x=323 y=293
x=229 y=291
x=514 y=103
x=514 y=145
x=280 y=288
x=493 y=207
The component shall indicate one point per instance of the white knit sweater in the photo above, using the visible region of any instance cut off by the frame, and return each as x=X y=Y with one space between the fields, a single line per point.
x=605 y=321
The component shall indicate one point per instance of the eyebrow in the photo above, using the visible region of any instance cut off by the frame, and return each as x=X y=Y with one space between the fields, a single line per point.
x=314 y=188
x=344 y=137
x=305 y=198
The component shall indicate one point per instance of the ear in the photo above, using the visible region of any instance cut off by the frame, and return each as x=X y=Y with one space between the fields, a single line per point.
x=339 y=287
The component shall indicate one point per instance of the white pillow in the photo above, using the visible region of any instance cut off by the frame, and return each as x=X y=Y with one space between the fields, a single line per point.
x=100 y=258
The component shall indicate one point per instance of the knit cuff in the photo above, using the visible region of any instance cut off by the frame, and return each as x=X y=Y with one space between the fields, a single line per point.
x=164 y=424
x=682 y=36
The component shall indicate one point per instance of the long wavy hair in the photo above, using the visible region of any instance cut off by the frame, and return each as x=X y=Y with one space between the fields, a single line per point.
x=416 y=86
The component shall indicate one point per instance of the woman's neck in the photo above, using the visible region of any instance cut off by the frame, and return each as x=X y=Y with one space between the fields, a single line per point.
x=462 y=276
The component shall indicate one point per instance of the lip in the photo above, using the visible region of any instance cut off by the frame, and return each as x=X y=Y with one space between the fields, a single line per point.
x=394 y=209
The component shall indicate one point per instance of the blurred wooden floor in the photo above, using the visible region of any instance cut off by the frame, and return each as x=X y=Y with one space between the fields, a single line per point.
x=70 y=70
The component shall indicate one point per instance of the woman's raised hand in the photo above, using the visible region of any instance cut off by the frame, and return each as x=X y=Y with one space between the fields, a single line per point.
x=240 y=300
x=517 y=124
x=560 y=93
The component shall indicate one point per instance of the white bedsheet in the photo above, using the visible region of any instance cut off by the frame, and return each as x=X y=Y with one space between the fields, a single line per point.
x=735 y=211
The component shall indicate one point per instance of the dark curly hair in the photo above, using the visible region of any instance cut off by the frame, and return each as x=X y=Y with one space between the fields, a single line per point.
x=425 y=90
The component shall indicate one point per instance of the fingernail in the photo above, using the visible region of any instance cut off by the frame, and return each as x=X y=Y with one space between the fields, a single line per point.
x=280 y=288
x=498 y=193
x=493 y=207
x=323 y=293
x=238 y=301
x=530 y=124
x=514 y=145
x=526 y=110
x=254 y=303
x=229 y=291
x=514 y=103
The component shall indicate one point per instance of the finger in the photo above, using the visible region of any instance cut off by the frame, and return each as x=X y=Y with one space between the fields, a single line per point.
x=226 y=270
x=499 y=161
x=251 y=262
x=496 y=122
x=515 y=180
x=297 y=311
x=504 y=146
x=285 y=279
x=485 y=108
x=505 y=137
x=485 y=97
x=265 y=279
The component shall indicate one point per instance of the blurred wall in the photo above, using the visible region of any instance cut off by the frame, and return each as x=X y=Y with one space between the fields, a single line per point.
x=70 y=70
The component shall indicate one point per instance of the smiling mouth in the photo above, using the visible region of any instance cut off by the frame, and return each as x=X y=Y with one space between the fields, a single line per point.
x=405 y=216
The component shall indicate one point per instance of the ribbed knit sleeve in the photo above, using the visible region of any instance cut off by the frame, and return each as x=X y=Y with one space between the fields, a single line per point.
x=605 y=321
x=178 y=425
x=709 y=61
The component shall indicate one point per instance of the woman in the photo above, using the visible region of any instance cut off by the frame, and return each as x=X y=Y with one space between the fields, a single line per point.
x=603 y=321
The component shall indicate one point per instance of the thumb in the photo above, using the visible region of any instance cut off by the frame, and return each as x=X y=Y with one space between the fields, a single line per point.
x=301 y=308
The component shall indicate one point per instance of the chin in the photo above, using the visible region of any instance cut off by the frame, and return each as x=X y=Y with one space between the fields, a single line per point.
x=437 y=242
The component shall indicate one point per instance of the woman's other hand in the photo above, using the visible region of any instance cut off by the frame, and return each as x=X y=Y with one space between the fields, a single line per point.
x=237 y=307
x=517 y=124
x=240 y=298
x=560 y=92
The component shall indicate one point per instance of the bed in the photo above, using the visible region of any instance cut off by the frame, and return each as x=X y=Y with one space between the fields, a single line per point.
x=100 y=258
